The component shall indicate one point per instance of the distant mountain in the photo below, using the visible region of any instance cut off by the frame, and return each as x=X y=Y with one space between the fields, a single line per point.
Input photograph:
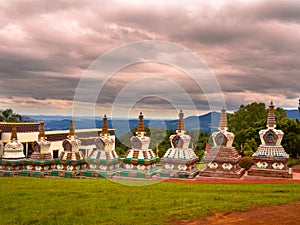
x=293 y=113
x=122 y=126
x=206 y=123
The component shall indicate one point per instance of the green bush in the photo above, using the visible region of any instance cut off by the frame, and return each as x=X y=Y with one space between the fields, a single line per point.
x=246 y=162
x=248 y=153
x=293 y=162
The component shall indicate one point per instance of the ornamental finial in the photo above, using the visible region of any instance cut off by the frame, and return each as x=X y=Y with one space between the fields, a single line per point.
x=223 y=120
x=141 y=129
x=14 y=133
x=180 y=122
x=42 y=130
x=271 y=123
x=104 y=126
x=72 y=129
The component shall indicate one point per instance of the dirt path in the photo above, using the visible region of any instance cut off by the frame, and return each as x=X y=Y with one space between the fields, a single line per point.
x=288 y=214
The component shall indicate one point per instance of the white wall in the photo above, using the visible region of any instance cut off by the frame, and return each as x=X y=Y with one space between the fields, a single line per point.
x=22 y=137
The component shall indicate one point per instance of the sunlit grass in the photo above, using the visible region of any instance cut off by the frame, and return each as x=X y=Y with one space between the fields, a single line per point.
x=99 y=201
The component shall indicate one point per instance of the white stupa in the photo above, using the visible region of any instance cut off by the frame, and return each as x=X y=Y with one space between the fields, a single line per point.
x=13 y=150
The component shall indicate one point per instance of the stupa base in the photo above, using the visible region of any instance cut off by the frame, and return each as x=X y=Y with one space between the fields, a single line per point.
x=37 y=165
x=11 y=165
x=98 y=173
x=270 y=173
x=30 y=173
x=69 y=165
x=41 y=156
x=178 y=174
x=6 y=173
x=148 y=174
x=64 y=174
x=222 y=173
x=103 y=164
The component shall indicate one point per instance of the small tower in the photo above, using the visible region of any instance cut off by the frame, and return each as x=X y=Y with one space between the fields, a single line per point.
x=71 y=146
x=42 y=146
x=104 y=160
x=13 y=150
x=139 y=161
x=222 y=160
x=270 y=158
x=180 y=160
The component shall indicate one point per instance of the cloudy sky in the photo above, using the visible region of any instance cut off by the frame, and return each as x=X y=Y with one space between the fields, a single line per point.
x=46 y=47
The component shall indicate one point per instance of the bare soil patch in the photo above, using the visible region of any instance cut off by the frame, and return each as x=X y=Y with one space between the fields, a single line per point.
x=287 y=214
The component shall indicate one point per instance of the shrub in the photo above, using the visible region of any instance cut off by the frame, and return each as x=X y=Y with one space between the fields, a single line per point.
x=248 y=153
x=246 y=162
x=293 y=162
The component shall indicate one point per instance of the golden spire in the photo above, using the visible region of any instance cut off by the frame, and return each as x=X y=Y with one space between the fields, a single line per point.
x=14 y=133
x=271 y=123
x=180 y=126
x=104 y=126
x=42 y=130
x=72 y=129
x=223 y=119
x=141 y=128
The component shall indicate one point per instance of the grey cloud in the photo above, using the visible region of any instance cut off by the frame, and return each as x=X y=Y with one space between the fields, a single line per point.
x=253 y=47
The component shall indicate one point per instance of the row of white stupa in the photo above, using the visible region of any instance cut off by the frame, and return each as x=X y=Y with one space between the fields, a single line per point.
x=222 y=159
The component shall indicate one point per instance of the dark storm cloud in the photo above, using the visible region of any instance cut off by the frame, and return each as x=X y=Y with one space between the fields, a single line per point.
x=252 y=47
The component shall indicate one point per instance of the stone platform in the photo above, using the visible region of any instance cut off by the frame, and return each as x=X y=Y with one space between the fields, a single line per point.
x=270 y=173
x=98 y=173
x=222 y=173
x=137 y=173
x=178 y=174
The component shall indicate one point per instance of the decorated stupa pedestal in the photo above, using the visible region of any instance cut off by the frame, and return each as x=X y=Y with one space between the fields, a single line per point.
x=222 y=160
x=41 y=159
x=71 y=159
x=270 y=158
x=139 y=161
x=103 y=161
x=13 y=156
x=180 y=160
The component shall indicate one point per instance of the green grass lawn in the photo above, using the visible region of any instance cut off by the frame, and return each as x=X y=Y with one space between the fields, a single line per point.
x=95 y=201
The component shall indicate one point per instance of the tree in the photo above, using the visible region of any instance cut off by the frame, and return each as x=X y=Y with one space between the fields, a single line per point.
x=8 y=115
x=291 y=138
x=246 y=123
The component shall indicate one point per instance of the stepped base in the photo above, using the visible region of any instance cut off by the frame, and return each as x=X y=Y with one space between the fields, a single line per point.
x=178 y=174
x=226 y=174
x=12 y=165
x=63 y=173
x=5 y=173
x=136 y=173
x=270 y=173
x=37 y=165
x=41 y=156
x=29 y=173
x=69 y=165
x=98 y=174
x=103 y=164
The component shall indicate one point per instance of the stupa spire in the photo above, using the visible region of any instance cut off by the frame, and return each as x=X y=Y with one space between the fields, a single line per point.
x=14 y=133
x=271 y=123
x=141 y=128
x=180 y=126
x=104 y=126
x=223 y=120
x=42 y=130
x=72 y=129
